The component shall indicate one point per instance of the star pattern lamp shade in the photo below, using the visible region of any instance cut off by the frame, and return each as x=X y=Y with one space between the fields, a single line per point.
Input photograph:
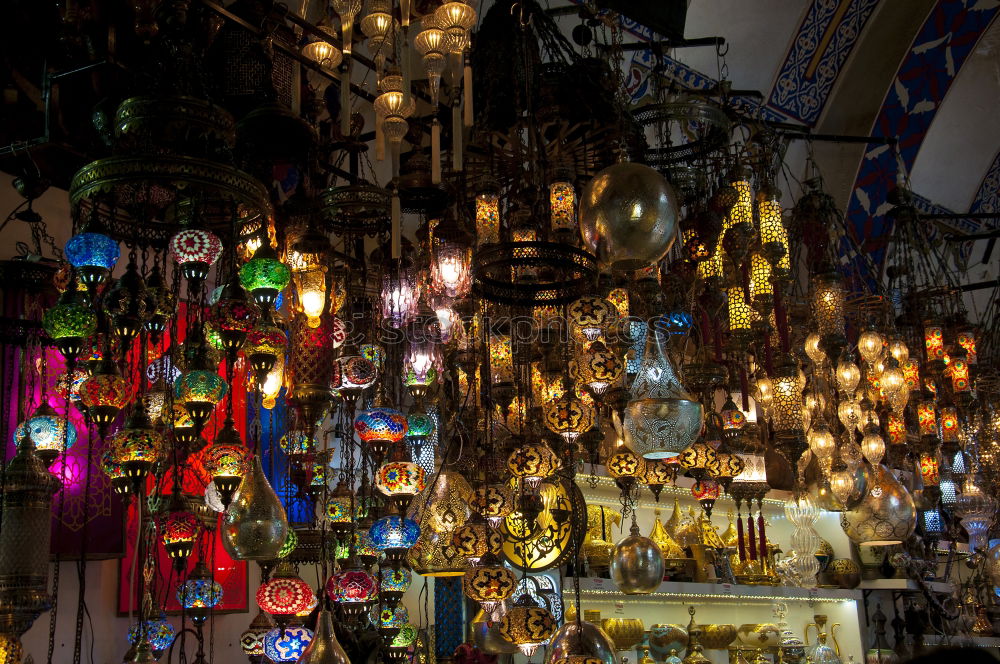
x=196 y=251
x=284 y=595
x=156 y=629
x=394 y=535
x=533 y=462
x=400 y=481
x=489 y=584
x=286 y=644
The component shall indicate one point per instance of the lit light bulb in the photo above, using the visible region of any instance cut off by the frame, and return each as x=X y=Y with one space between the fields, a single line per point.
x=842 y=484
x=872 y=445
x=870 y=345
x=848 y=374
x=821 y=440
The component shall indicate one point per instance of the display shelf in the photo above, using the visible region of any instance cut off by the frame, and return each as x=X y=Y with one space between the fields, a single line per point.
x=686 y=592
x=976 y=641
x=904 y=585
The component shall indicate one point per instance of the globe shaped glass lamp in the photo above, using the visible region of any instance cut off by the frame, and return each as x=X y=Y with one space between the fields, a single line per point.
x=394 y=535
x=69 y=323
x=286 y=644
x=50 y=433
x=400 y=481
x=227 y=463
x=533 y=463
x=393 y=583
x=179 y=532
x=252 y=639
x=489 y=583
x=105 y=394
x=527 y=625
x=200 y=593
x=284 y=594
x=196 y=251
x=264 y=276
x=93 y=255
x=200 y=390
x=380 y=427
x=156 y=630
x=354 y=589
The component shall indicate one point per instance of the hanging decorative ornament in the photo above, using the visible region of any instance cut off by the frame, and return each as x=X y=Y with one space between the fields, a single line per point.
x=380 y=428
x=93 y=255
x=255 y=525
x=661 y=418
x=886 y=515
x=637 y=564
x=527 y=625
x=195 y=251
x=324 y=648
x=613 y=230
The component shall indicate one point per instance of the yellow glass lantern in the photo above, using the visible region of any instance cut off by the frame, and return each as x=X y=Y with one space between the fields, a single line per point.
x=930 y=469
x=619 y=298
x=532 y=463
x=911 y=374
x=787 y=403
x=487 y=218
x=306 y=260
x=624 y=462
x=896 y=428
x=740 y=314
x=568 y=416
x=773 y=236
x=848 y=374
x=761 y=288
x=696 y=458
x=742 y=210
x=828 y=300
x=562 y=205
x=501 y=359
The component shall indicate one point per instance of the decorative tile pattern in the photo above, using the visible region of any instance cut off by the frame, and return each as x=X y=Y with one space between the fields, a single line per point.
x=825 y=38
x=945 y=40
x=449 y=621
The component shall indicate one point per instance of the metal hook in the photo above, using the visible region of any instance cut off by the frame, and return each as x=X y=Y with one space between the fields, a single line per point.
x=521 y=14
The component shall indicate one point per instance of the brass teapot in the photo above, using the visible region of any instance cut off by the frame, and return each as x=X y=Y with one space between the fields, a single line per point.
x=822 y=653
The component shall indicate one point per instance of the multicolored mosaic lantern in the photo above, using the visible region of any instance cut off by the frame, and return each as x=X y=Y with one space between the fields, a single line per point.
x=50 y=433
x=69 y=323
x=233 y=316
x=196 y=251
x=200 y=593
x=284 y=594
x=394 y=535
x=252 y=639
x=104 y=394
x=265 y=343
x=227 y=463
x=380 y=427
x=93 y=255
x=400 y=481
x=138 y=446
x=179 y=531
x=155 y=629
x=200 y=390
x=286 y=644
x=354 y=589
x=296 y=443
x=393 y=584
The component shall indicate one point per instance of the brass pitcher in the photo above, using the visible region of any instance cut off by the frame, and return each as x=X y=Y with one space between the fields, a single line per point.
x=822 y=653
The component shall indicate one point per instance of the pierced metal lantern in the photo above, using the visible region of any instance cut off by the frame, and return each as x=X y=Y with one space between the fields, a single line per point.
x=527 y=625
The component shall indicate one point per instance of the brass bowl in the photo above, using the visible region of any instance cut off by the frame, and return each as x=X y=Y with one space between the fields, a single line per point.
x=759 y=635
x=625 y=632
x=844 y=573
x=717 y=637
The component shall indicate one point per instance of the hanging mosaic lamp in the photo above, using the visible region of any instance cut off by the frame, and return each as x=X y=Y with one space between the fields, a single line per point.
x=196 y=251
x=104 y=394
x=284 y=594
x=226 y=461
x=353 y=589
x=50 y=433
x=394 y=536
x=70 y=322
x=527 y=625
x=93 y=255
x=379 y=428
x=264 y=276
x=200 y=593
